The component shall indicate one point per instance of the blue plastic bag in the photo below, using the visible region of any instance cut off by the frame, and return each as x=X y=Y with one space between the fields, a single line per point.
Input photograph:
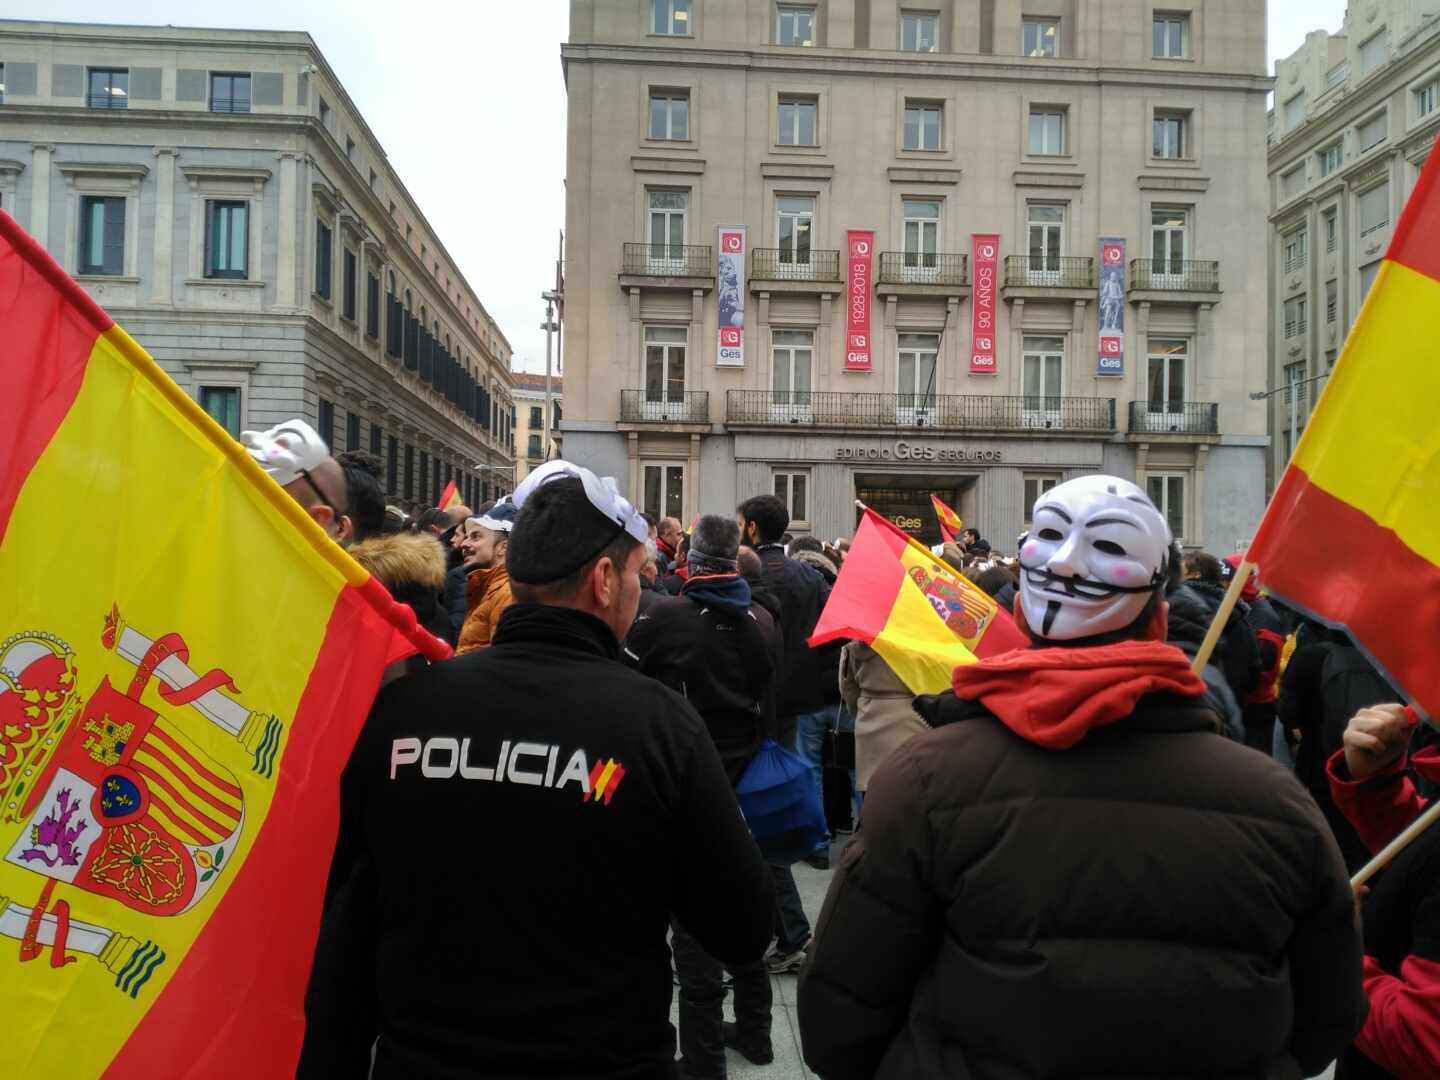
x=781 y=804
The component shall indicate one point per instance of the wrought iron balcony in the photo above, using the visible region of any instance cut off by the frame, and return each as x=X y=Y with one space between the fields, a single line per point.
x=662 y=406
x=943 y=412
x=668 y=260
x=1049 y=272
x=1175 y=275
x=785 y=264
x=923 y=268
x=1174 y=418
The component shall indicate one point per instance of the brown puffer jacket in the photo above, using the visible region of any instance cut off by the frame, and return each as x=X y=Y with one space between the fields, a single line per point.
x=487 y=594
x=883 y=707
x=1155 y=901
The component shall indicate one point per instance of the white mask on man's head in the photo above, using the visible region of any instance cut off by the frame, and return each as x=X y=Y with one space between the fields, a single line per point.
x=1096 y=551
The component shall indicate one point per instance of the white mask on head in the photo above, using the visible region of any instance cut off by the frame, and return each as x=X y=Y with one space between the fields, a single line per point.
x=1096 y=550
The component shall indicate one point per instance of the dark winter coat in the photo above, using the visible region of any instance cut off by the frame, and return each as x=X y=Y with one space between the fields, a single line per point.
x=720 y=652
x=650 y=592
x=1236 y=653
x=802 y=593
x=412 y=567
x=1190 y=617
x=455 y=600
x=1153 y=901
x=483 y=928
x=828 y=658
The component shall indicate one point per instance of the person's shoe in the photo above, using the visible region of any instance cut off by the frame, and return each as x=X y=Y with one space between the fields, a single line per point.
x=756 y=1055
x=819 y=859
x=783 y=962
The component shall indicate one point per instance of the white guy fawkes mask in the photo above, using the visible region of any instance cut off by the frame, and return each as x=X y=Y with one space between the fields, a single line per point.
x=1096 y=550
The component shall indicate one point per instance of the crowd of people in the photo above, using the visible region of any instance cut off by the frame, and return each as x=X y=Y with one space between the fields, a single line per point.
x=1082 y=859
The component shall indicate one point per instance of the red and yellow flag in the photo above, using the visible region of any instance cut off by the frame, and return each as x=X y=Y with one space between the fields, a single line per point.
x=1352 y=535
x=450 y=497
x=913 y=609
x=950 y=523
x=185 y=661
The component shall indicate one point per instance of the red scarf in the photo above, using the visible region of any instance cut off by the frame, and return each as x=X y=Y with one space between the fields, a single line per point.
x=1053 y=697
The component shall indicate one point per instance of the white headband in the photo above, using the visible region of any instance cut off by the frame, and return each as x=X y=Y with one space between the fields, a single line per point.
x=602 y=492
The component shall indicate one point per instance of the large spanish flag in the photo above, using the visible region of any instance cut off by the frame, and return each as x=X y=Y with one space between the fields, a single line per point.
x=1352 y=535
x=914 y=610
x=185 y=661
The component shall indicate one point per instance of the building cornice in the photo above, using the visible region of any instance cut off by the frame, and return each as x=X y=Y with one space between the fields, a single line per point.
x=1151 y=182
x=126 y=170
x=688 y=166
x=796 y=170
x=901 y=174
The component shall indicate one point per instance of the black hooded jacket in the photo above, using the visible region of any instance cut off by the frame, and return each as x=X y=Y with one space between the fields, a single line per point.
x=802 y=593
x=1236 y=653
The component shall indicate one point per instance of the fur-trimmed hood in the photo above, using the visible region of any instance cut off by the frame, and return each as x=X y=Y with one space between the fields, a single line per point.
x=403 y=559
x=819 y=562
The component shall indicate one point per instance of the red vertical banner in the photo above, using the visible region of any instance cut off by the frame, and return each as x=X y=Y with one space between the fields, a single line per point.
x=985 y=261
x=860 y=258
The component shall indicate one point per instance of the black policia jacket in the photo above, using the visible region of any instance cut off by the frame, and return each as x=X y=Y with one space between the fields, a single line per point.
x=517 y=828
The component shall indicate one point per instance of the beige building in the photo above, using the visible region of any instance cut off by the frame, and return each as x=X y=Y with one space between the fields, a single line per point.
x=529 y=391
x=219 y=194
x=1049 y=123
x=1355 y=116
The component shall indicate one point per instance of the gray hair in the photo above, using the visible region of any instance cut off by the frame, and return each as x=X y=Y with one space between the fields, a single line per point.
x=717 y=536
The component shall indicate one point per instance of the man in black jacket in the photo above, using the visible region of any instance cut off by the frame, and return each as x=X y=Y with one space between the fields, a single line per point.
x=1075 y=874
x=518 y=828
x=723 y=653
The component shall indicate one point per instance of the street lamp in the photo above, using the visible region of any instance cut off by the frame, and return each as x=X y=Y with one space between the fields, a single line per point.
x=1292 y=386
x=550 y=326
x=484 y=467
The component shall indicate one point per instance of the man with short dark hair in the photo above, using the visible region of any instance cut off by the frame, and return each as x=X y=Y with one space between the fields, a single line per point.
x=518 y=828
x=487 y=587
x=668 y=534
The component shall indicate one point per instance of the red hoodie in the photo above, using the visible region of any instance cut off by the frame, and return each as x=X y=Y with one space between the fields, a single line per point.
x=1054 y=697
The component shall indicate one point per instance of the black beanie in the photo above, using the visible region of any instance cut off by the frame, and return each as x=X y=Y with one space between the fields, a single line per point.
x=556 y=533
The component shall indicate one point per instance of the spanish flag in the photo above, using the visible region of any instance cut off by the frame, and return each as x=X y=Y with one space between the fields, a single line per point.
x=1352 y=535
x=916 y=612
x=950 y=523
x=450 y=497
x=185 y=662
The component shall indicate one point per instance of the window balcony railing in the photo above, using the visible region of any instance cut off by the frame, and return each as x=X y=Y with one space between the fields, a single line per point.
x=1049 y=271
x=1178 y=275
x=785 y=264
x=1295 y=328
x=668 y=260
x=664 y=406
x=947 y=412
x=923 y=268
x=1175 y=417
x=1294 y=262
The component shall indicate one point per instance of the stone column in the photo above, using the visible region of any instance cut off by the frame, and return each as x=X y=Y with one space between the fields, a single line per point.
x=692 y=487
x=163 y=274
x=40 y=158
x=632 y=445
x=285 y=231
x=1202 y=458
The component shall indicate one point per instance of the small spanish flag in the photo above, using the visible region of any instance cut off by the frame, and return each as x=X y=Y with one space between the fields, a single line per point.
x=914 y=610
x=1363 y=488
x=950 y=523
x=450 y=497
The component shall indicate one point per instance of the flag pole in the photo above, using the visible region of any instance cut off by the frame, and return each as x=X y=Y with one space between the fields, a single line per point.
x=1222 y=616
x=1399 y=844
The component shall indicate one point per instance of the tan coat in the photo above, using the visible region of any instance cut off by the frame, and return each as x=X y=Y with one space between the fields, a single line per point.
x=487 y=594
x=880 y=703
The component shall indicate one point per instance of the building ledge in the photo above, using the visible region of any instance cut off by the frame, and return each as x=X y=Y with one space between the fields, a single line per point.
x=1047 y=178
x=900 y=174
x=1047 y=292
x=685 y=166
x=796 y=170
x=679 y=282
x=1194 y=298
x=920 y=290
x=1150 y=182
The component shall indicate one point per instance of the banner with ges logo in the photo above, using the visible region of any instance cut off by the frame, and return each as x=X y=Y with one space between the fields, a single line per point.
x=730 y=288
x=1112 y=305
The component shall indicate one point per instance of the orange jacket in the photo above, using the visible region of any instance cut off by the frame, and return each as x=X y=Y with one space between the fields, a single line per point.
x=487 y=594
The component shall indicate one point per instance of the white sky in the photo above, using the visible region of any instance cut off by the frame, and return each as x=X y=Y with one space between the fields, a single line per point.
x=468 y=100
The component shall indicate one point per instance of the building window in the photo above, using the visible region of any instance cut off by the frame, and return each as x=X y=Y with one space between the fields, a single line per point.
x=223 y=405
x=1372 y=132
x=670 y=17
x=1373 y=51
x=1330 y=355
x=537 y=417
x=229 y=93
x=664 y=491
x=794 y=228
x=1328 y=223
x=1166 y=372
x=1169 y=140
x=1373 y=209
x=1167 y=240
x=1330 y=158
x=324 y=113
x=372 y=306
x=919 y=31
x=350 y=271
x=532 y=448
x=322 y=259
x=1294 y=114
x=793 y=489
x=1295 y=317
x=669 y=114
x=325 y=426
x=227 y=239
x=2 y=84
x=409 y=471
x=1167 y=492
x=350 y=149
x=1332 y=301
x=1047 y=130
x=1171 y=36
x=1040 y=37
x=796 y=121
x=374 y=182
x=1036 y=484
x=792 y=356
x=667 y=227
x=922 y=126
x=102 y=235
x=1043 y=360
x=1425 y=98
x=1296 y=244
x=424 y=476
x=917 y=358
x=109 y=88
x=794 y=24
x=1046 y=226
x=352 y=430
x=1368 y=273
x=377 y=439
x=922 y=234
x=665 y=349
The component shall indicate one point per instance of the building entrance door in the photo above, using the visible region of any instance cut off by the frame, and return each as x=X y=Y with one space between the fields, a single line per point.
x=904 y=499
